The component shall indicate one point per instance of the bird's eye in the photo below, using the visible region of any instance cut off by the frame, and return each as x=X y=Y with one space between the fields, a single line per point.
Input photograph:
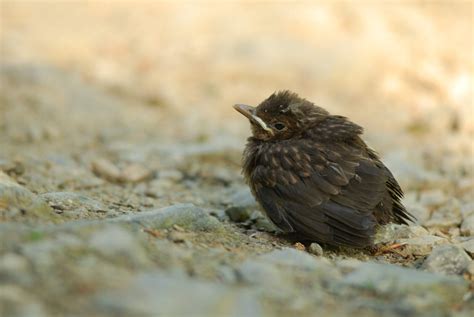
x=279 y=126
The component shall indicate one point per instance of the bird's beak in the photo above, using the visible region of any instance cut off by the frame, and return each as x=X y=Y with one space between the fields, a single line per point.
x=249 y=112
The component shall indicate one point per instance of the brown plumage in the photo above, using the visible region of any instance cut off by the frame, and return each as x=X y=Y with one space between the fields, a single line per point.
x=314 y=175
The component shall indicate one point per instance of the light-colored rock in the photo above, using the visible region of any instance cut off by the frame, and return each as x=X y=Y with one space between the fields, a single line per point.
x=447 y=259
x=19 y=204
x=105 y=169
x=315 y=249
x=135 y=173
x=238 y=214
x=186 y=216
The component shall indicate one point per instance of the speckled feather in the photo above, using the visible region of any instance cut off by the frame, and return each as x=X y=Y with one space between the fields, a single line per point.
x=317 y=177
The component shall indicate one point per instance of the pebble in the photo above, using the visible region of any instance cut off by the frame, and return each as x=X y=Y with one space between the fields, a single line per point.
x=105 y=169
x=262 y=223
x=315 y=249
x=238 y=214
x=299 y=246
x=135 y=173
x=242 y=197
x=132 y=173
x=447 y=259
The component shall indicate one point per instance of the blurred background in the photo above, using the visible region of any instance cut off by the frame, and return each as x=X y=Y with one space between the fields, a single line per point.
x=387 y=65
x=116 y=107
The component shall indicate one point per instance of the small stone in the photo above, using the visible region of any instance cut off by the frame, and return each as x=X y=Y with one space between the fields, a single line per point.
x=135 y=173
x=263 y=224
x=299 y=246
x=243 y=198
x=467 y=226
x=105 y=169
x=315 y=249
x=447 y=259
x=238 y=214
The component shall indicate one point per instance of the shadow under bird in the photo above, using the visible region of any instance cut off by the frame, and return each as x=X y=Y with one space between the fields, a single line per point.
x=314 y=175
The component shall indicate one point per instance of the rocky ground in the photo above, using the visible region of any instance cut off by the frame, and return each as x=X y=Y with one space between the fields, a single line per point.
x=118 y=200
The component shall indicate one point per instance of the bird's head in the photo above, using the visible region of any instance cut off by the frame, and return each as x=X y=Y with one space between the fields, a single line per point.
x=281 y=116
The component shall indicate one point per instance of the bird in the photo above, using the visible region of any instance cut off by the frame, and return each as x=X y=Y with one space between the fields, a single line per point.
x=313 y=174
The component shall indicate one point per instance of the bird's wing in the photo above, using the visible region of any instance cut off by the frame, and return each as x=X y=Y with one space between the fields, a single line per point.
x=324 y=191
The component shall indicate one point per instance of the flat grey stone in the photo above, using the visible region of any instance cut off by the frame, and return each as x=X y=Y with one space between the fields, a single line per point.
x=447 y=259
x=186 y=216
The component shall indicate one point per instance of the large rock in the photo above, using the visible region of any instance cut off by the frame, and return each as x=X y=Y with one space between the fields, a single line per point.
x=19 y=204
x=186 y=216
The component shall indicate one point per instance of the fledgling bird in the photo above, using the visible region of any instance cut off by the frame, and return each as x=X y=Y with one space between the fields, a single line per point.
x=314 y=175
